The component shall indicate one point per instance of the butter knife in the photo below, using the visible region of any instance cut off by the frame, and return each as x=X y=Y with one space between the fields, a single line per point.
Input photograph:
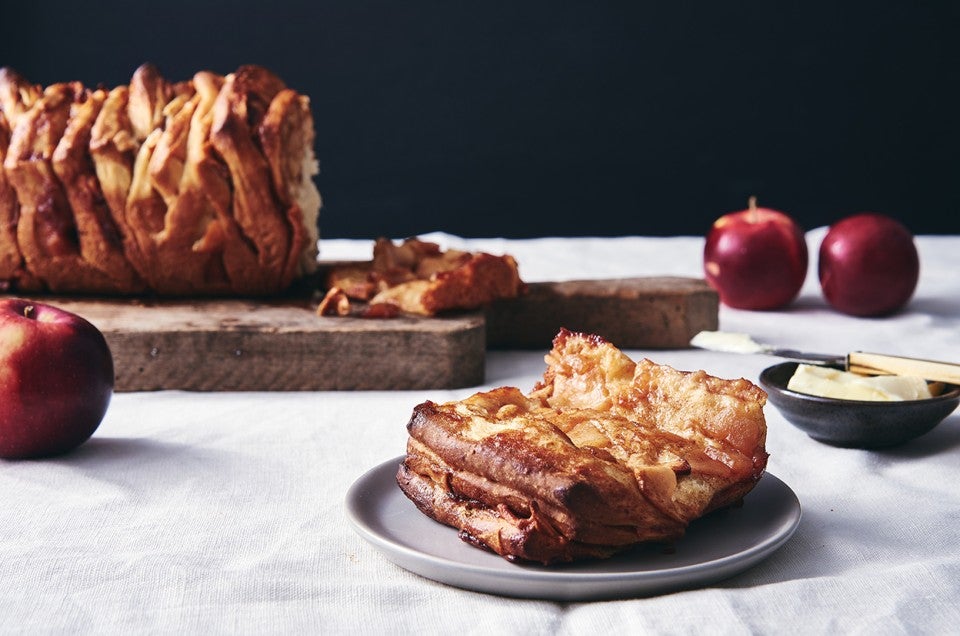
x=856 y=361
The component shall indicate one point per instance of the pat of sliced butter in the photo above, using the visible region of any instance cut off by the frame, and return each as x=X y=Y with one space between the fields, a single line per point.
x=833 y=383
x=726 y=341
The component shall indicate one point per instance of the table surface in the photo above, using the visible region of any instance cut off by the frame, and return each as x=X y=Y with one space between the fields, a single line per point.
x=225 y=512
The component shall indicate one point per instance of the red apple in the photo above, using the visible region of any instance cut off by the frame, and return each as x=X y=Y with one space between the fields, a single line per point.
x=756 y=258
x=56 y=379
x=869 y=265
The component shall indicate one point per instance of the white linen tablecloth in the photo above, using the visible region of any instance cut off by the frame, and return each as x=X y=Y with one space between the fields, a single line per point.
x=223 y=513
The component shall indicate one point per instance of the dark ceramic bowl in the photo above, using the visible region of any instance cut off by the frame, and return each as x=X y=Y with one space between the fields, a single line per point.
x=855 y=423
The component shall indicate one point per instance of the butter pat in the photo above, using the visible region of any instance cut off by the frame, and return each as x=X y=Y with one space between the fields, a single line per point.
x=833 y=383
x=726 y=341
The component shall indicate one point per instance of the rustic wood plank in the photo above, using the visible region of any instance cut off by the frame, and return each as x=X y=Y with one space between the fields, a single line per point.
x=631 y=313
x=282 y=345
x=238 y=345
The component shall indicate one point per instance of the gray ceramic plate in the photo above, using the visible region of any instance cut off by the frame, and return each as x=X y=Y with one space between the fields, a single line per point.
x=715 y=547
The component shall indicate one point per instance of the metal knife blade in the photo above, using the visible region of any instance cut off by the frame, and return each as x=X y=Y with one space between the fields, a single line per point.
x=808 y=357
x=857 y=361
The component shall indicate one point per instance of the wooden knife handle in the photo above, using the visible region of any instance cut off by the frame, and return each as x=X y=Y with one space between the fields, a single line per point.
x=882 y=364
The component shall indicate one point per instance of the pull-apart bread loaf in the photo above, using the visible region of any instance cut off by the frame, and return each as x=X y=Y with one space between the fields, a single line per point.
x=202 y=187
x=604 y=453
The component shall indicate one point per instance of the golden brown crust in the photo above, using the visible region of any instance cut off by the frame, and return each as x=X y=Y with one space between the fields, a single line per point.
x=287 y=137
x=207 y=181
x=183 y=257
x=583 y=466
x=200 y=187
x=17 y=96
x=242 y=101
x=11 y=260
x=46 y=229
x=101 y=244
x=149 y=93
x=419 y=278
x=151 y=107
x=113 y=149
x=334 y=303
x=724 y=416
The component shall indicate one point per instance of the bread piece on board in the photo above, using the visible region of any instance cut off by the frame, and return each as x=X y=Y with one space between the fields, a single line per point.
x=418 y=277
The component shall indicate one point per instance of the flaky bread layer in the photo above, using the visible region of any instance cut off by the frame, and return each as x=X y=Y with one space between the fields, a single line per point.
x=601 y=455
x=200 y=187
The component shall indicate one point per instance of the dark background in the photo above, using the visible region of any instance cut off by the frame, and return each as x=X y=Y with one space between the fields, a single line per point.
x=567 y=118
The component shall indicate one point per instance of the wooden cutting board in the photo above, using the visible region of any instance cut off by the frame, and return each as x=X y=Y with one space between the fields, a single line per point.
x=632 y=313
x=282 y=345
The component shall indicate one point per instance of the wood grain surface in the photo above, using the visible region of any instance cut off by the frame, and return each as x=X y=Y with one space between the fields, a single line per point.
x=631 y=313
x=239 y=345
x=282 y=345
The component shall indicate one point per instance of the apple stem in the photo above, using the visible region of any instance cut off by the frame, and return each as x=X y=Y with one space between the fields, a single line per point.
x=29 y=311
x=752 y=206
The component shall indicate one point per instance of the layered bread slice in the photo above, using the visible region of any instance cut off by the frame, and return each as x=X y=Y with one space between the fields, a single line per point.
x=603 y=454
